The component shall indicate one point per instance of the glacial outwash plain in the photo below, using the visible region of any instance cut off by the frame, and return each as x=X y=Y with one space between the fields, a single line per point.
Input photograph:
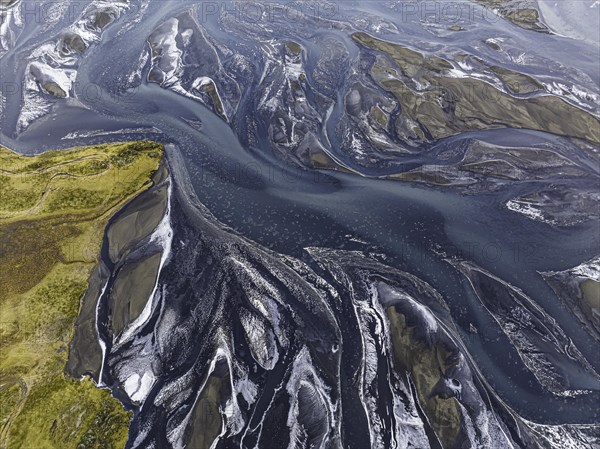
x=318 y=224
x=54 y=209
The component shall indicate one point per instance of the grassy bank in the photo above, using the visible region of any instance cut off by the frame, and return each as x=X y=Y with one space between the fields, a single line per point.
x=53 y=211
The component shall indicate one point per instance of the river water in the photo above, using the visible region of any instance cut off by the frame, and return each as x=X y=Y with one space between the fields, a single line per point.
x=288 y=209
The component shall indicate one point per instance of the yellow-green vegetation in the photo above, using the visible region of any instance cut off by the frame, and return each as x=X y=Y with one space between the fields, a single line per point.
x=317 y=158
x=517 y=13
x=53 y=211
x=449 y=105
x=73 y=42
x=211 y=89
x=206 y=417
x=381 y=117
x=421 y=176
x=293 y=48
x=590 y=301
x=54 y=89
x=426 y=364
x=518 y=83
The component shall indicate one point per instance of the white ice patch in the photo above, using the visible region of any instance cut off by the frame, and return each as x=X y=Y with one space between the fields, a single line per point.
x=132 y=384
x=293 y=70
x=304 y=374
x=34 y=107
x=528 y=210
x=260 y=340
x=430 y=320
x=138 y=388
x=42 y=73
x=264 y=296
x=10 y=27
x=132 y=21
x=248 y=389
x=100 y=341
x=573 y=93
x=145 y=386
x=495 y=40
x=202 y=81
x=369 y=313
x=50 y=64
x=589 y=269
x=389 y=296
x=168 y=59
x=186 y=36
x=136 y=74
x=465 y=70
x=567 y=436
x=101 y=132
x=409 y=426
x=353 y=141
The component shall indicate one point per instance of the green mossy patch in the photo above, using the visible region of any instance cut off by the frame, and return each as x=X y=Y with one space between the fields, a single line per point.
x=426 y=364
x=54 y=208
x=293 y=48
x=66 y=412
x=449 y=105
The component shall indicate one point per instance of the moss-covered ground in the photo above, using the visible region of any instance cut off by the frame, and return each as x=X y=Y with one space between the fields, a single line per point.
x=450 y=105
x=53 y=211
x=426 y=364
